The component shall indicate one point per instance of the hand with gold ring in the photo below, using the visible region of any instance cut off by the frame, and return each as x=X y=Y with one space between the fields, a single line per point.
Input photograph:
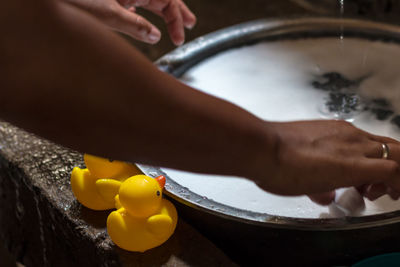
x=120 y=15
x=390 y=151
x=320 y=156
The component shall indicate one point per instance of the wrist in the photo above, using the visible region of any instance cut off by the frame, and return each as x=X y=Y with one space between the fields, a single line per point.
x=262 y=158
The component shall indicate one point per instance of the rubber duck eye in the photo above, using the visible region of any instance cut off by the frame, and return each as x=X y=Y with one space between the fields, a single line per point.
x=110 y=160
x=158 y=193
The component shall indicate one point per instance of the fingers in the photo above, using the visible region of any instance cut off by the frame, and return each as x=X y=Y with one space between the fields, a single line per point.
x=323 y=198
x=375 y=191
x=371 y=149
x=393 y=193
x=392 y=185
x=136 y=26
x=173 y=18
x=175 y=14
x=376 y=150
x=120 y=16
x=370 y=171
x=320 y=158
x=189 y=19
x=393 y=145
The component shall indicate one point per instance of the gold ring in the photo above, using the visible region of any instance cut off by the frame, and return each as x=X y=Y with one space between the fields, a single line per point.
x=385 y=151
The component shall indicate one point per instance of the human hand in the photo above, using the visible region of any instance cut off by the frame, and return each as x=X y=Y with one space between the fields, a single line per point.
x=316 y=157
x=120 y=15
x=390 y=187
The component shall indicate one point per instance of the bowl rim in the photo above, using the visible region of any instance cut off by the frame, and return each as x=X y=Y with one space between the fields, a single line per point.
x=183 y=58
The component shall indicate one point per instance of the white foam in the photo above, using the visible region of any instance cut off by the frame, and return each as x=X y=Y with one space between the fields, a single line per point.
x=273 y=81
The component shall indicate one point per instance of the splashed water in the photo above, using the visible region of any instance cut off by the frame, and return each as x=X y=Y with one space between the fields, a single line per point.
x=341 y=3
x=341 y=36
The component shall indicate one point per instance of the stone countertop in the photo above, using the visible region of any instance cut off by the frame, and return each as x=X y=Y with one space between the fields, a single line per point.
x=42 y=224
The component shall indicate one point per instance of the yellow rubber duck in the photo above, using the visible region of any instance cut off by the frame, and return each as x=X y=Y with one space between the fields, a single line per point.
x=144 y=219
x=97 y=186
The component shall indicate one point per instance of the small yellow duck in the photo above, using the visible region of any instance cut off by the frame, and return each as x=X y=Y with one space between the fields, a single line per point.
x=144 y=219
x=97 y=186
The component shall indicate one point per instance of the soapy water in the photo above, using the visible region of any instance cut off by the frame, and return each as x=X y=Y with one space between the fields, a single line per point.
x=291 y=80
x=342 y=101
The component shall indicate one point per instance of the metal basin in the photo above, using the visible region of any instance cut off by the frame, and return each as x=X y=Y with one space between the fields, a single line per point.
x=260 y=238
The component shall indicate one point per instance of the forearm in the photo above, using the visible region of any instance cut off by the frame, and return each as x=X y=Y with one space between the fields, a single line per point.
x=85 y=88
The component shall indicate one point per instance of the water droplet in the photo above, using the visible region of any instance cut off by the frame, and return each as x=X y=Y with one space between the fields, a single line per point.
x=341 y=3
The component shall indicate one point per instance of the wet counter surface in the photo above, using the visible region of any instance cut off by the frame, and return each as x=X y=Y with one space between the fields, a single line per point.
x=41 y=223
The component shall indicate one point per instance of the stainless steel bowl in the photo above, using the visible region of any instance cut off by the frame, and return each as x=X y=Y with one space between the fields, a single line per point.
x=353 y=237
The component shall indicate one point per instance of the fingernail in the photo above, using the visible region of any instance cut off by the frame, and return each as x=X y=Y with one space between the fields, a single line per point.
x=179 y=43
x=189 y=27
x=154 y=35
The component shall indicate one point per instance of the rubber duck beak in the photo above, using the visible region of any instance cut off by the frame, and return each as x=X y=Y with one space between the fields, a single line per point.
x=161 y=180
